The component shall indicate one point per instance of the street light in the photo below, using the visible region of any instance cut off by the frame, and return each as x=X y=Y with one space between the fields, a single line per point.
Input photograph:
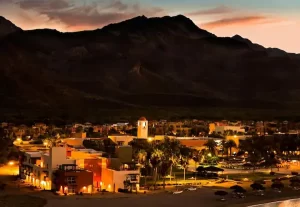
x=11 y=163
x=46 y=143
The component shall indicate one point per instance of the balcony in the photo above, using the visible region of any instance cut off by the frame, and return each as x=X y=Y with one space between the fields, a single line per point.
x=70 y=168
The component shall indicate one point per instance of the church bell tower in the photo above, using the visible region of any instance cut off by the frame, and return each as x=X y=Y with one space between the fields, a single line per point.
x=142 y=128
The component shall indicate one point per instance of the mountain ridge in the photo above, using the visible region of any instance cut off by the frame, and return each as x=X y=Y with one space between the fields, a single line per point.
x=7 y=27
x=141 y=64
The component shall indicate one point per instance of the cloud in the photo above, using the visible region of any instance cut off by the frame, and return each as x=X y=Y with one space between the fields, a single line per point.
x=118 y=5
x=88 y=16
x=217 y=10
x=42 y=5
x=243 y=20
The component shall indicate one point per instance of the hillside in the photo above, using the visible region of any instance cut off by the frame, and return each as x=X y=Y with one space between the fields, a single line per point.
x=7 y=27
x=144 y=64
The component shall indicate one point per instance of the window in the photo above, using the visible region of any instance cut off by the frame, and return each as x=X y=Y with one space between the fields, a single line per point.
x=120 y=143
x=71 y=180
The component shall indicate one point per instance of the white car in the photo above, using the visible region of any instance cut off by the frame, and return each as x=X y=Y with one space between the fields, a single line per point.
x=192 y=189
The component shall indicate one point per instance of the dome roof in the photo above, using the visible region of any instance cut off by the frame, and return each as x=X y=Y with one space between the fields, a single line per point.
x=142 y=119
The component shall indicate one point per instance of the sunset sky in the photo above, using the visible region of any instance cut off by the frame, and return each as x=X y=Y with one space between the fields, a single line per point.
x=271 y=23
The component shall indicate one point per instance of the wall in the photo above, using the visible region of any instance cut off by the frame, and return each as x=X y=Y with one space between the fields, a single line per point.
x=82 y=155
x=83 y=179
x=194 y=143
x=112 y=178
x=79 y=135
x=58 y=156
x=124 y=153
x=73 y=141
x=95 y=166
x=124 y=139
x=221 y=129
x=107 y=179
x=212 y=127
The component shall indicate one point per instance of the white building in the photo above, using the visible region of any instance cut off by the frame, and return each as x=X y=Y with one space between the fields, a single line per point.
x=142 y=128
x=221 y=129
x=38 y=167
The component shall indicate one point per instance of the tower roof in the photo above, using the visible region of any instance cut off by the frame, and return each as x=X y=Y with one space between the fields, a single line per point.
x=142 y=119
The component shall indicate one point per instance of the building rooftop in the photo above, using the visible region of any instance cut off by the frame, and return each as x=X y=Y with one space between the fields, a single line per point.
x=142 y=119
x=34 y=154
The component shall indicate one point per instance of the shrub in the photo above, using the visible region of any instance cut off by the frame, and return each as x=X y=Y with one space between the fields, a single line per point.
x=295 y=173
x=121 y=190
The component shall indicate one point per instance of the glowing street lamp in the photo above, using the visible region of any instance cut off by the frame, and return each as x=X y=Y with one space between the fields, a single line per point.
x=46 y=143
x=11 y=163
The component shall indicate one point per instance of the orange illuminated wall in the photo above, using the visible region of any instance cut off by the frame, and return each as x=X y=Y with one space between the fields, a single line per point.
x=95 y=166
x=193 y=143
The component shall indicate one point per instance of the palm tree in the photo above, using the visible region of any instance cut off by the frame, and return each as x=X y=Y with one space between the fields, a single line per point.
x=141 y=156
x=183 y=164
x=230 y=144
x=223 y=144
x=171 y=151
x=155 y=160
x=211 y=146
x=165 y=165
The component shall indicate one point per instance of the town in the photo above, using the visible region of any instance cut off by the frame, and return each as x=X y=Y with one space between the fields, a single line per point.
x=148 y=157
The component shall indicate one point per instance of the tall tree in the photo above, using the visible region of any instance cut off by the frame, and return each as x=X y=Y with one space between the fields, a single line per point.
x=155 y=161
x=142 y=157
x=230 y=144
x=211 y=146
x=165 y=165
x=171 y=151
x=223 y=145
x=183 y=162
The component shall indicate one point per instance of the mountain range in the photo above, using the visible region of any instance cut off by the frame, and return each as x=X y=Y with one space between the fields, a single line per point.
x=157 y=66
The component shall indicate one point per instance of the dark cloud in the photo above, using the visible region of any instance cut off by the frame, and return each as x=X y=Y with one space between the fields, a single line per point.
x=42 y=5
x=87 y=15
x=118 y=5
